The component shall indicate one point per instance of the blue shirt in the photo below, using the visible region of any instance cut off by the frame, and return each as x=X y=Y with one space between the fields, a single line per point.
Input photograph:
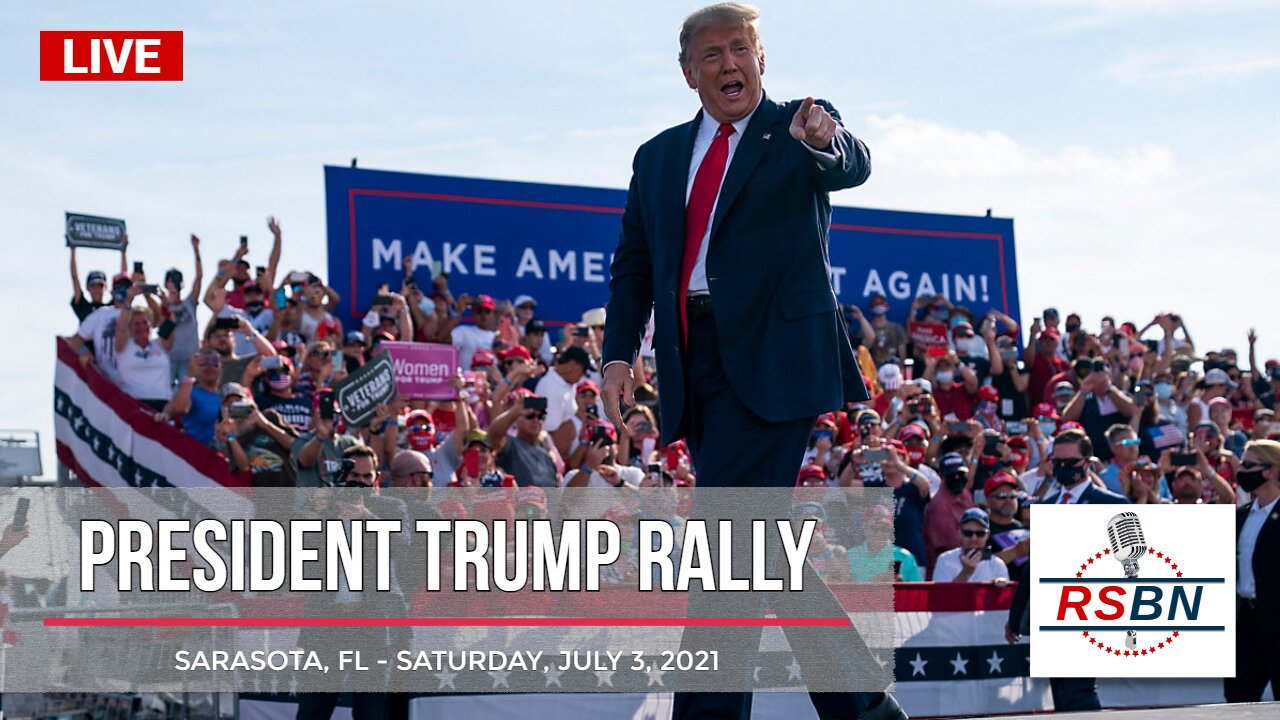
x=203 y=415
x=1110 y=477
x=908 y=519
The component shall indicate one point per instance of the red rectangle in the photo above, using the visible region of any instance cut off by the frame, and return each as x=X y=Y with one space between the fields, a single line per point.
x=111 y=55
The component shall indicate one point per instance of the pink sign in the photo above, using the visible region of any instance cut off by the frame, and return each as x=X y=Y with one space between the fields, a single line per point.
x=423 y=369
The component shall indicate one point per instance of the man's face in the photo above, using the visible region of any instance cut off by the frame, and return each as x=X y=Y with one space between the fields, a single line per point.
x=486 y=318
x=724 y=66
x=1186 y=487
x=314 y=295
x=530 y=422
x=572 y=372
x=97 y=289
x=1125 y=448
x=533 y=342
x=1003 y=503
x=1068 y=454
x=364 y=472
x=973 y=534
x=220 y=340
x=1206 y=440
x=586 y=398
x=524 y=312
x=241 y=273
x=253 y=298
x=317 y=357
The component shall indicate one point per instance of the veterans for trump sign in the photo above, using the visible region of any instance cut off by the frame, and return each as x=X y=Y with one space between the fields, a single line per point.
x=360 y=393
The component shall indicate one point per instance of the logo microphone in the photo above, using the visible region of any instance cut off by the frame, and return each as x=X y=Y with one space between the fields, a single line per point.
x=1127 y=546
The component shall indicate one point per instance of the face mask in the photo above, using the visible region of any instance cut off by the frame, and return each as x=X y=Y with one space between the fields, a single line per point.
x=1067 y=475
x=253 y=307
x=1164 y=390
x=964 y=346
x=986 y=406
x=915 y=455
x=957 y=320
x=420 y=441
x=427 y=306
x=1048 y=427
x=821 y=434
x=941 y=314
x=1072 y=327
x=120 y=294
x=1008 y=355
x=956 y=483
x=1250 y=480
x=879 y=309
x=944 y=376
x=279 y=381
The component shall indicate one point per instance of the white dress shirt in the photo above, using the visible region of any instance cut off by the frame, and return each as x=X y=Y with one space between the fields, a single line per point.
x=1074 y=492
x=1246 y=585
x=707 y=129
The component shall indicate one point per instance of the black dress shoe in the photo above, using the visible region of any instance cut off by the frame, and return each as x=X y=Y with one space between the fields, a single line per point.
x=887 y=709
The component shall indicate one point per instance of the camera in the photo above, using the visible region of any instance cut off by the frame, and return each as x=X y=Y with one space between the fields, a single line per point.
x=270 y=363
x=240 y=410
x=535 y=403
x=226 y=323
x=876 y=454
x=1184 y=459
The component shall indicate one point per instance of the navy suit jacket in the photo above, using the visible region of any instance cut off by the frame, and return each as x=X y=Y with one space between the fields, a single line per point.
x=1093 y=495
x=1266 y=571
x=783 y=342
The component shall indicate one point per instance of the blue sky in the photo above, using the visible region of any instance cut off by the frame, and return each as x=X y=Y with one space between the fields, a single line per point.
x=1135 y=144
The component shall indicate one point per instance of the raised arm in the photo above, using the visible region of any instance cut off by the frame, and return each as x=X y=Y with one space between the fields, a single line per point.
x=817 y=124
x=77 y=292
x=198 y=279
x=273 y=261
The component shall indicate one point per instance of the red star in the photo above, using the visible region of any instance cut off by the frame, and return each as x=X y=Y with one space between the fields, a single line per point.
x=1179 y=573
x=1168 y=640
x=1151 y=649
x=1079 y=574
x=1106 y=551
x=1126 y=653
x=1175 y=566
x=1086 y=633
x=1090 y=561
x=1168 y=560
x=1082 y=566
x=1159 y=554
x=1175 y=633
x=1098 y=555
x=1161 y=646
x=1144 y=652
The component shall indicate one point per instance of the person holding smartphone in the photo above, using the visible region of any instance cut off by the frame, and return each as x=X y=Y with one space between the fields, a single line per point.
x=317 y=454
x=600 y=468
x=973 y=561
x=142 y=360
x=529 y=455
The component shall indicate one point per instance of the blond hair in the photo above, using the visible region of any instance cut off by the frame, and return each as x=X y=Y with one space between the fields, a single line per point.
x=727 y=14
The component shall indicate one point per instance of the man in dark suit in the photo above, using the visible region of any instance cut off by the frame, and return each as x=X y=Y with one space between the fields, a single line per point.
x=1257 y=576
x=724 y=238
x=1072 y=455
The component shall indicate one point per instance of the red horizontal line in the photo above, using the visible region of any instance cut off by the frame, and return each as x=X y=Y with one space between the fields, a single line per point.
x=913 y=231
x=487 y=201
x=440 y=622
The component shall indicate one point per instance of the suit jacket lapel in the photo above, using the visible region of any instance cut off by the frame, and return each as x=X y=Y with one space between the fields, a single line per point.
x=679 y=156
x=751 y=147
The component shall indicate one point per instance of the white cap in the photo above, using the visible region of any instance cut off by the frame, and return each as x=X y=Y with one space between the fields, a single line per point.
x=890 y=376
x=924 y=385
x=593 y=317
x=522 y=299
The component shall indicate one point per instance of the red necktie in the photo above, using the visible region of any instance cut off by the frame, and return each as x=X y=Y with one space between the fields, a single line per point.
x=702 y=198
x=1066 y=498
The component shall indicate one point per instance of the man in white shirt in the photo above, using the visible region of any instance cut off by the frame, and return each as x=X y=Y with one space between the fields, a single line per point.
x=532 y=330
x=972 y=561
x=469 y=338
x=557 y=386
x=96 y=337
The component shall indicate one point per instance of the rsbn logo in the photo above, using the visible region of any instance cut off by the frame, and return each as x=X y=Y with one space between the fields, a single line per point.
x=111 y=55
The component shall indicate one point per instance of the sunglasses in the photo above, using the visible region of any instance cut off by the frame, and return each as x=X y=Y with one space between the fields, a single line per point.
x=535 y=416
x=1003 y=496
x=1251 y=465
x=419 y=427
x=974 y=533
x=1130 y=442
x=1066 y=462
x=322 y=354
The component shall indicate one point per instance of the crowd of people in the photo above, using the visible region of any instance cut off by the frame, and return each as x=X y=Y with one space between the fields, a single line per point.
x=968 y=435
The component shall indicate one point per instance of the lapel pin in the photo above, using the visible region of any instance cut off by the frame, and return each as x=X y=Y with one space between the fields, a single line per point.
x=766 y=136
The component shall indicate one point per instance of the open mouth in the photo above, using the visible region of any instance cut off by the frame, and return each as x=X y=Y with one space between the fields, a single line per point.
x=732 y=90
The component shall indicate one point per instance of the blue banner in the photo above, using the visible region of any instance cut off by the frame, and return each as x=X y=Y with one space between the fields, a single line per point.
x=555 y=243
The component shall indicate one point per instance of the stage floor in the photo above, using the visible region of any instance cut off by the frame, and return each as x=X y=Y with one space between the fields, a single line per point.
x=1254 y=711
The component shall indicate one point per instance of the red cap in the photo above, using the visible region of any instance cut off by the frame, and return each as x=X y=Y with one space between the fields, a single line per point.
x=997 y=480
x=826 y=420
x=1050 y=333
x=989 y=393
x=588 y=385
x=896 y=444
x=911 y=430
x=1046 y=410
x=444 y=420
x=1018 y=441
x=483 y=301
x=518 y=351
x=483 y=358
x=1069 y=426
x=609 y=429
x=812 y=471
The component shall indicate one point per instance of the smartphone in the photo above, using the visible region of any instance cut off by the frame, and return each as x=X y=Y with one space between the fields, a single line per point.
x=1152 y=345
x=1016 y=427
x=137 y=266
x=599 y=433
x=244 y=241
x=918 y=407
x=149 y=289
x=226 y=323
x=381 y=301
x=897 y=567
x=270 y=363
x=1184 y=459
x=535 y=403
x=908 y=368
x=673 y=458
x=339 y=360
x=594 y=411
x=876 y=454
x=986 y=553
x=166 y=328
x=937 y=352
x=326 y=405
x=297 y=277
x=281 y=297
x=20 y=513
x=645 y=427
x=1099 y=365
x=471 y=462
x=958 y=428
x=989 y=444
x=240 y=410
x=581 y=331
